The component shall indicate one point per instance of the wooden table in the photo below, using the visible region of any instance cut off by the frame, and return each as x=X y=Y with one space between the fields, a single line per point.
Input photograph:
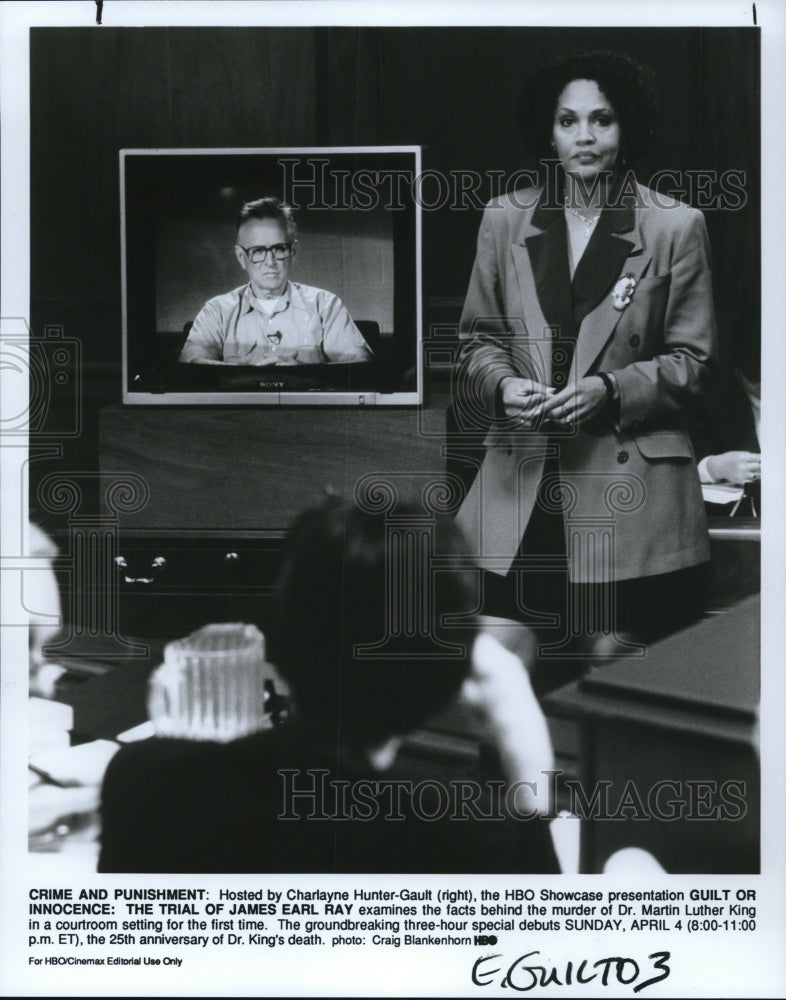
x=669 y=749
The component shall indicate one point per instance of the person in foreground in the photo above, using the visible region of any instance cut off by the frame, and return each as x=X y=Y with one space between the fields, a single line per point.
x=272 y=320
x=588 y=336
x=327 y=790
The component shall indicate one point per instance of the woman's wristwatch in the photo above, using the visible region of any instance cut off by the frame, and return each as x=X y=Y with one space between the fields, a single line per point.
x=612 y=393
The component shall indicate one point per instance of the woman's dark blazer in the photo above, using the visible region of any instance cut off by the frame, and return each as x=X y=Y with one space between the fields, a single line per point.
x=629 y=486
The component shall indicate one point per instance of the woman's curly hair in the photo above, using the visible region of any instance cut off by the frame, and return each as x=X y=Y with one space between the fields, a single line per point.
x=629 y=86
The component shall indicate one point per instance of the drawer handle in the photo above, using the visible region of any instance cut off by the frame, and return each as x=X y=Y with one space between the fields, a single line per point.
x=158 y=565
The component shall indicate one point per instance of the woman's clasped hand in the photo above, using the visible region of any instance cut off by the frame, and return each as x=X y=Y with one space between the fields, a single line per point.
x=529 y=403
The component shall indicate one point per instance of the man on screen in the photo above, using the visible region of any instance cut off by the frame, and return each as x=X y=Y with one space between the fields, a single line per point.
x=272 y=320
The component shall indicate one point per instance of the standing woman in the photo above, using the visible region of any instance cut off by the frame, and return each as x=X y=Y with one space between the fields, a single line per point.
x=588 y=334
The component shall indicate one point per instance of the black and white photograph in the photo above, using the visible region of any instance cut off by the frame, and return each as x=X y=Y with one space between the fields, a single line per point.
x=391 y=560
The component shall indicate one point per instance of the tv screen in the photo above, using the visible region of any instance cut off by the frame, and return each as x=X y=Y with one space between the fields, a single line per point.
x=271 y=276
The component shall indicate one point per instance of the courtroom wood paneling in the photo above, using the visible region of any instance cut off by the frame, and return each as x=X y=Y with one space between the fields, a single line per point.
x=221 y=468
x=670 y=760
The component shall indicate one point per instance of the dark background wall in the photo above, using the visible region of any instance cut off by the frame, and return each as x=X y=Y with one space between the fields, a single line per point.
x=452 y=90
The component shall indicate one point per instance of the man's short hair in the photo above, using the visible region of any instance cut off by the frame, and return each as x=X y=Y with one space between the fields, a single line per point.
x=345 y=583
x=269 y=208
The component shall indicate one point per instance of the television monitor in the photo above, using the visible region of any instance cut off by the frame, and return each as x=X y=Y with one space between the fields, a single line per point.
x=358 y=237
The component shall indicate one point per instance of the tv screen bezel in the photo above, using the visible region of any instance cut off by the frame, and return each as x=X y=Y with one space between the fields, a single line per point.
x=313 y=397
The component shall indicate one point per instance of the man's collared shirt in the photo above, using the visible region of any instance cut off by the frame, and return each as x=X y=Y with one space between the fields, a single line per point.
x=306 y=326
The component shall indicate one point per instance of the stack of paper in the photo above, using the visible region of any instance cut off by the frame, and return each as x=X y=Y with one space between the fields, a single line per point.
x=50 y=725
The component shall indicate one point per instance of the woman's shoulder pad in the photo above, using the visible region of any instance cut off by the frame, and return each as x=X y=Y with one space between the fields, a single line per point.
x=647 y=198
x=519 y=200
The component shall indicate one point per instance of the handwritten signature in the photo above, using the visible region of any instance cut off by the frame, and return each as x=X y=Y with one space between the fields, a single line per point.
x=523 y=975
